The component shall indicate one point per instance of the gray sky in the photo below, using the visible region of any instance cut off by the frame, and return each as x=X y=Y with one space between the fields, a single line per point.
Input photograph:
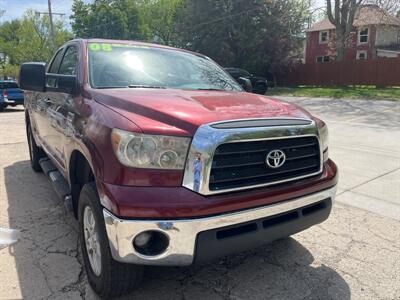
x=319 y=3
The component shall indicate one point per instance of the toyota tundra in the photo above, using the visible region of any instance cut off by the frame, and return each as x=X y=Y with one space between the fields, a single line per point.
x=166 y=160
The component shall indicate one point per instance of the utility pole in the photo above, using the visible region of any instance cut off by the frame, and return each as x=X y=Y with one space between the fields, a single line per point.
x=50 y=13
x=51 y=26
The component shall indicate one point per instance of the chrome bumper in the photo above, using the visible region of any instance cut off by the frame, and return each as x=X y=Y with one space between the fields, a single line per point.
x=182 y=233
x=13 y=101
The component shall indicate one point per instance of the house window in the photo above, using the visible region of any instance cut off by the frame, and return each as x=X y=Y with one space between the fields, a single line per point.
x=363 y=35
x=322 y=59
x=361 y=55
x=323 y=37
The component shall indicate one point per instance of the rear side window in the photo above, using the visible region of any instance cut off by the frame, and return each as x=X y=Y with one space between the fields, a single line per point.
x=8 y=85
x=69 y=62
x=56 y=62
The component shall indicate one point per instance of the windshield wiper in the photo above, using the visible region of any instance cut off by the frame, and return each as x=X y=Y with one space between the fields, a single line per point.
x=143 y=86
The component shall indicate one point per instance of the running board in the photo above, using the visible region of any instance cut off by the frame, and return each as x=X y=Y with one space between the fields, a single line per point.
x=60 y=185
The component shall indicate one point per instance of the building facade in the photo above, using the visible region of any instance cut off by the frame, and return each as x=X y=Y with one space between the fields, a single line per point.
x=376 y=34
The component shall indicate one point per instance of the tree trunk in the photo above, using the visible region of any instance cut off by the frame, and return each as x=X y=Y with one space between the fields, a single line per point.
x=340 y=45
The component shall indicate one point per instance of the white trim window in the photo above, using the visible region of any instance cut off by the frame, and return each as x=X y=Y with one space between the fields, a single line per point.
x=322 y=59
x=324 y=37
x=363 y=35
x=362 y=55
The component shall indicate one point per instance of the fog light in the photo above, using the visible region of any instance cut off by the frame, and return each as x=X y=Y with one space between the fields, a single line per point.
x=151 y=242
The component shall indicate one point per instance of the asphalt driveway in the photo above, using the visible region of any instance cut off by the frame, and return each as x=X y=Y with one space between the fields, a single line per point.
x=354 y=254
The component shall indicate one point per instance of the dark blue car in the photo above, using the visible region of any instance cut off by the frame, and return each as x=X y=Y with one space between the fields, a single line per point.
x=10 y=94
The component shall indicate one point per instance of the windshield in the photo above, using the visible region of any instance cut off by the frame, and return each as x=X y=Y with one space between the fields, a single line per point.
x=124 y=66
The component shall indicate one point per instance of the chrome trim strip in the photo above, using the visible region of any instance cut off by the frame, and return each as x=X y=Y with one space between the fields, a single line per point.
x=207 y=139
x=261 y=122
x=182 y=233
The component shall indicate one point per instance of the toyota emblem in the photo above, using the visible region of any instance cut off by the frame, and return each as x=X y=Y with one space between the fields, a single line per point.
x=275 y=159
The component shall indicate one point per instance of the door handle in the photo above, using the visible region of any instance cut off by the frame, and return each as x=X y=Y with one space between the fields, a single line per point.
x=44 y=101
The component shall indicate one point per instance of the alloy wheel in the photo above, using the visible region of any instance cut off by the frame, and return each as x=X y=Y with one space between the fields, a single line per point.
x=92 y=241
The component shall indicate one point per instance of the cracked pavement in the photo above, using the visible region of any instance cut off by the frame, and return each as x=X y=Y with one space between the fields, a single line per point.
x=354 y=254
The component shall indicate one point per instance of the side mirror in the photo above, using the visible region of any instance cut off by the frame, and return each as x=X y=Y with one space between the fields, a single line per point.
x=33 y=77
x=245 y=83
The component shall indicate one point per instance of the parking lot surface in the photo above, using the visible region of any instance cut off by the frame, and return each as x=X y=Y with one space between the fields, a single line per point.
x=354 y=254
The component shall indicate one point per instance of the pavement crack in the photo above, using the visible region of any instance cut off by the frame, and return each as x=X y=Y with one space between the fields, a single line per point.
x=12 y=143
x=369 y=180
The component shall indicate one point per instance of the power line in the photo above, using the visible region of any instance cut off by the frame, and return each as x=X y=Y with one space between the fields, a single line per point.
x=50 y=13
x=225 y=17
x=46 y=13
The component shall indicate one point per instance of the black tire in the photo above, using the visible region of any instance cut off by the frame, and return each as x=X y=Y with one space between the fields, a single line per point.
x=35 y=152
x=115 y=278
x=260 y=89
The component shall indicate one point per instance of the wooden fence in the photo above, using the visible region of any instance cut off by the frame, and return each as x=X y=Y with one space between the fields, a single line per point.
x=380 y=72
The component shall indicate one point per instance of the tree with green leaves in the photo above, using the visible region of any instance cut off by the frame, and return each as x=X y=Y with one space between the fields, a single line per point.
x=158 y=20
x=118 y=19
x=28 y=39
x=258 y=35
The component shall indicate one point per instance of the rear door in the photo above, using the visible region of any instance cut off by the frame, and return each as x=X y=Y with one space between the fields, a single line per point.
x=41 y=107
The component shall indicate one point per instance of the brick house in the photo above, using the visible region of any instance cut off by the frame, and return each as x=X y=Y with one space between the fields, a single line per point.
x=376 y=34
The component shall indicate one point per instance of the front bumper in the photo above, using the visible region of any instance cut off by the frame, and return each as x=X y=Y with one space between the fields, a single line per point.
x=198 y=239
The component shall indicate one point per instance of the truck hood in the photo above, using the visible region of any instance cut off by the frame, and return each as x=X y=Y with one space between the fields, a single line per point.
x=181 y=112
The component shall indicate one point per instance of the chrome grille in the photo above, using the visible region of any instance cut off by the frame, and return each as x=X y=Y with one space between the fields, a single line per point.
x=242 y=164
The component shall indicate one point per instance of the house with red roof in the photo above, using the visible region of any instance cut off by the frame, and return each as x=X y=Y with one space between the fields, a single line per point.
x=376 y=34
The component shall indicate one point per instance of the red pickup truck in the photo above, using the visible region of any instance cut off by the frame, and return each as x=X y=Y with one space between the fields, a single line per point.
x=165 y=160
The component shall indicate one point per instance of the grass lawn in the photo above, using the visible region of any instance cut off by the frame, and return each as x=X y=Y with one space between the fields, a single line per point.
x=358 y=92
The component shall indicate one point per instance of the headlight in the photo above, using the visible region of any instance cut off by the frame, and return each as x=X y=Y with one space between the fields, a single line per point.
x=324 y=137
x=150 y=151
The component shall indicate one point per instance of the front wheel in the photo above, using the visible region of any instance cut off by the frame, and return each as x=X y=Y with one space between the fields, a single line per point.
x=107 y=277
x=260 y=89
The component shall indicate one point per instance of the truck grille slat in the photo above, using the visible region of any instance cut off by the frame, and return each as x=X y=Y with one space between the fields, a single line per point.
x=235 y=166
x=257 y=158
x=212 y=180
x=255 y=146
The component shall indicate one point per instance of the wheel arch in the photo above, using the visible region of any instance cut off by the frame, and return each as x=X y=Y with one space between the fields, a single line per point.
x=80 y=173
